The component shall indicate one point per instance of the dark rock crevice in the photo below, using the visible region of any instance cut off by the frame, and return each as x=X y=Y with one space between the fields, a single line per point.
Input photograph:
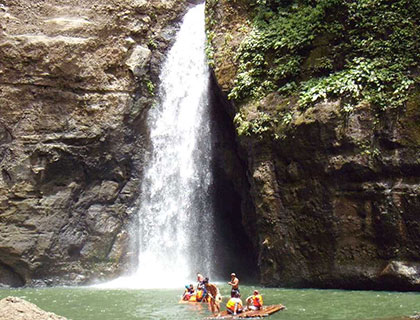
x=9 y=277
x=235 y=229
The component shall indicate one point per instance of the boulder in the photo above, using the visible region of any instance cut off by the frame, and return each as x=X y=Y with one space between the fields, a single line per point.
x=402 y=272
x=13 y=308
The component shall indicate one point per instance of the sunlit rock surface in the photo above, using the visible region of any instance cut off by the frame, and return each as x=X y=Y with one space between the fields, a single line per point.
x=12 y=308
x=75 y=80
x=337 y=196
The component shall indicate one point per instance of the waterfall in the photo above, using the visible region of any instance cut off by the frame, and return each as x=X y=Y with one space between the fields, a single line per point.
x=175 y=213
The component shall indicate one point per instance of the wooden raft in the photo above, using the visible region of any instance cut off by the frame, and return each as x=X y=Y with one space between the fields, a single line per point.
x=264 y=312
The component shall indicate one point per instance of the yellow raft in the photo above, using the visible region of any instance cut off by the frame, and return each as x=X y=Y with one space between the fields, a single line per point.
x=193 y=299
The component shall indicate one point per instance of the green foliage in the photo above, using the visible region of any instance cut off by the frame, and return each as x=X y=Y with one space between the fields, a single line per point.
x=259 y=125
x=209 y=49
x=363 y=80
x=152 y=44
x=210 y=13
x=210 y=23
x=371 y=49
x=150 y=87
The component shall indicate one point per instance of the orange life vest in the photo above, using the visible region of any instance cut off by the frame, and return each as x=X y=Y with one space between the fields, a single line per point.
x=257 y=301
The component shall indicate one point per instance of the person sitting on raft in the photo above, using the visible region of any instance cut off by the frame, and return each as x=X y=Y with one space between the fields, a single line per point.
x=188 y=293
x=234 y=305
x=254 y=302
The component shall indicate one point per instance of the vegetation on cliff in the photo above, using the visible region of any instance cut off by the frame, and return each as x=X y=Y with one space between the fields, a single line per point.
x=357 y=51
x=326 y=101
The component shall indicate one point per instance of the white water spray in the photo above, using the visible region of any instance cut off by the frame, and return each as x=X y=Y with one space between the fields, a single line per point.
x=175 y=214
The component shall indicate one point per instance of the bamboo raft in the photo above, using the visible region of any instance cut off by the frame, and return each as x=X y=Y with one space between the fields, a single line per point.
x=264 y=312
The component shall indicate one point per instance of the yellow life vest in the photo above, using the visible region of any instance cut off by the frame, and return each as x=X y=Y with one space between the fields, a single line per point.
x=199 y=295
x=231 y=304
x=192 y=298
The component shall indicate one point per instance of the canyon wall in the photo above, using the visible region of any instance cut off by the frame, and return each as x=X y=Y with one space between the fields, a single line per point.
x=76 y=78
x=322 y=196
x=335 y=191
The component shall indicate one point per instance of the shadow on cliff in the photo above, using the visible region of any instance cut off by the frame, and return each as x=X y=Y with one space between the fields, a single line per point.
x=233 y=209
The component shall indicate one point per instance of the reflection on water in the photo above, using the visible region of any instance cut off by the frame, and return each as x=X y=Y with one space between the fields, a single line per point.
x=97 y=304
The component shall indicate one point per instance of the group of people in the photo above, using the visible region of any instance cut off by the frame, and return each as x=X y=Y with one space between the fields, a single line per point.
x=205 y=292
x=208 y=292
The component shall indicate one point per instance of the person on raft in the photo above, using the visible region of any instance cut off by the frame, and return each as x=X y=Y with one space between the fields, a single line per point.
x=201 y=288
x=234 y=282
x=234 y=305
x=188 y=293
x=254 y=302
x=214 y=296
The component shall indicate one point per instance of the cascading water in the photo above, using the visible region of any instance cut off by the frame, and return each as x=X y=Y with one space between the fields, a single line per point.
x=175 y=214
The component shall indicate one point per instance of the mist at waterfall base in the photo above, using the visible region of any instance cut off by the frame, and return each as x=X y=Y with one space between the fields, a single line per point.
x=175 y=213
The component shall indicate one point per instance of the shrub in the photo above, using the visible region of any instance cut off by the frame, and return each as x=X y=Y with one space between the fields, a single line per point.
x=372 y=50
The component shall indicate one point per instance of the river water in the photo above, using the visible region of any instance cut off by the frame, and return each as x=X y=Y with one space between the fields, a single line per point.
x=309 y=304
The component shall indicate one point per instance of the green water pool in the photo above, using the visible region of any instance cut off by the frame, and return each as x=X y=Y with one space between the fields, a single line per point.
x=122 y=304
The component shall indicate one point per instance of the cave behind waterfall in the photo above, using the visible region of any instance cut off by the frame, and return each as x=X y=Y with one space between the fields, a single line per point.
x=234 y=249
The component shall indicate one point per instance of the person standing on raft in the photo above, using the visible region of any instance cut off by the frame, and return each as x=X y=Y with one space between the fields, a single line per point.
x=254 y=302
x=201 y=292
x=234 y=282
x=214 y=296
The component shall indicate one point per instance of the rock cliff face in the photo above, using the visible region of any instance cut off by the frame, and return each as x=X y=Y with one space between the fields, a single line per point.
x=75 y=80
x=336 y=193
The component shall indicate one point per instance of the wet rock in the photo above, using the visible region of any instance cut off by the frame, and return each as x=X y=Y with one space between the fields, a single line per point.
x=13 y=308
x=402 y=271
x=138 y=60
x=73 y=95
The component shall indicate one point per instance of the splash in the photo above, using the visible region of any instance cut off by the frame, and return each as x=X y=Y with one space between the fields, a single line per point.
x=175 y=214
